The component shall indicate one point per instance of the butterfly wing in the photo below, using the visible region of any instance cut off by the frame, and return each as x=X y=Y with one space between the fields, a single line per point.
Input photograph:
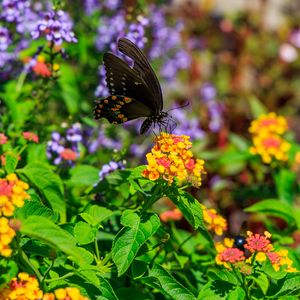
x=124 y=81
x=144 y=69
x=120 y=109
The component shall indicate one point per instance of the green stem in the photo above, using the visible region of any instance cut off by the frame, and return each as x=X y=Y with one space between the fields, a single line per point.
x=48 y=270
x=97 y=250
x=25 y=260
x=60 y=278
x=156 y=195
x=185 y=240
x=241 y=281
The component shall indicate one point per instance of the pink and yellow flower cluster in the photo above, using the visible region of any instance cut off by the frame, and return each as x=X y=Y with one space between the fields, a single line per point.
x=267 y=138
x=171 y=157
x=259 y=247
x=12 y=195
x=26 y=287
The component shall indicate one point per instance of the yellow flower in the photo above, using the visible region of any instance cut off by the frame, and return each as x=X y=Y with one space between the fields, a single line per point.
x=269 y=123
x=214 y=221
x=170 y=157
x=6 y=236
x=23 y=287
x=12 y=194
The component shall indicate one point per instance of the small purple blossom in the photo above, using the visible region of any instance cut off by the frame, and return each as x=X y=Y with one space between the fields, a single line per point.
x=57 y=27
x=109 y=168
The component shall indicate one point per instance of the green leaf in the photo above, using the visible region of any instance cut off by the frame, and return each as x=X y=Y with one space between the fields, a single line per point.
x=190 y=208
x=129 y=240
x=84 y=233
x=262 y=281
x=48 y=232
x=49 y=184
x=8 y=270
x=96 y=214
x=273 y=207
x=84 y=175
x=11 y=162
x=290 y=285
x=34 y=207
x=170 y=285
x=285 y=184
x=296 y=214
x=106 y=290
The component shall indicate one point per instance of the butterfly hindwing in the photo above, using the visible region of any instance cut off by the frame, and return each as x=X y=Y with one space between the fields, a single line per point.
x=120 y=109
x=142 y=66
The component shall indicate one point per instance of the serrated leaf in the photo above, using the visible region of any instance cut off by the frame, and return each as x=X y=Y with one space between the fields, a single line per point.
x=33 y=207
x=262 y=281
x=48 y=183
x=96 y=214
x=273 y=207
x=290 y=285
x=170 y=285
x=84 y=233
x=190 y=208
x=107 y=291
x=11 y=162
x=129 y=240
x=51 y=234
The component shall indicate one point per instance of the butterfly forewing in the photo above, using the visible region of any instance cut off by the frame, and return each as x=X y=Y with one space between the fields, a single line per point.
x=123 y=80
x=142 y=66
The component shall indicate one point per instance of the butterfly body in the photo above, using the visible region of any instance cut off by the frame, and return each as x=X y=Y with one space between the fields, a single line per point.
x=134 y=92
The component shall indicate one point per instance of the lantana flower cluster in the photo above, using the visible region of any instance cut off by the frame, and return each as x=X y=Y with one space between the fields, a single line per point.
x=260 y=248
x=12 y=194
x=25 y=286
x=213 y=220
x=171 y=157
x=267 y=138
x=6 y=236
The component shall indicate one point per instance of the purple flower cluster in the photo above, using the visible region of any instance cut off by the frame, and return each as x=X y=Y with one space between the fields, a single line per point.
x=109 y=168
x=57 y=26
x=58 y=144
x=103 y=141
x=187 y=125
x=167 y=43
x=5 y=42
x=91 y=6
x=208 y=94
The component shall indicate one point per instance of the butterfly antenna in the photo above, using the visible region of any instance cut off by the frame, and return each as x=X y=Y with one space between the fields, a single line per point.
x=182 y=106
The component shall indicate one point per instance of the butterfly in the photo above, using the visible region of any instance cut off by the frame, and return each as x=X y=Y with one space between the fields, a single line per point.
x=135 y=91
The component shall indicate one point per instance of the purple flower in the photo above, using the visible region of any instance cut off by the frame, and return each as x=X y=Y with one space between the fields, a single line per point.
x=13 y=10
x=74 y=133
x=57 y=27
x=208 y=93
x=109 y=168
x=5 y=39
x=187 y=125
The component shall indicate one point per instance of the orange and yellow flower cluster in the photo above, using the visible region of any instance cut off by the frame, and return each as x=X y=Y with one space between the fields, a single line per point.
x=69 y=293
x=12 y=194
x=26 y=287
x=260 y=248
x=213 y=220
x=171 y=157
x=267 y=139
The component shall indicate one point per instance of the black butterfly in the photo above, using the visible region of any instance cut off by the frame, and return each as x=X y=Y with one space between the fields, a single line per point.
x=135 y=92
